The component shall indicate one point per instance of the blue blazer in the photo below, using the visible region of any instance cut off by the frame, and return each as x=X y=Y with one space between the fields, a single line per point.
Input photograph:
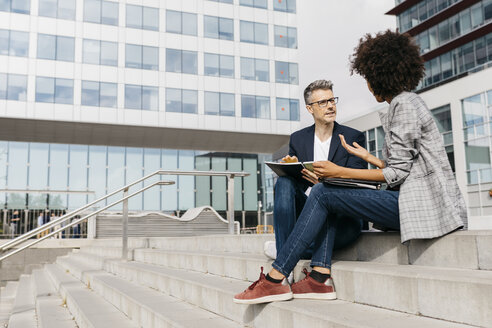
x=302 y=145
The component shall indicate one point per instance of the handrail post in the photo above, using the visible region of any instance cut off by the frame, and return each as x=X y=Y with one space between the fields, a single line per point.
x=124 y=234
x=230 y=203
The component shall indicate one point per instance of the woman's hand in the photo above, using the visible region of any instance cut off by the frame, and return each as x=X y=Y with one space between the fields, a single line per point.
x=326 y=169
x=289 y=159
x=309 y=176
x=356 y=149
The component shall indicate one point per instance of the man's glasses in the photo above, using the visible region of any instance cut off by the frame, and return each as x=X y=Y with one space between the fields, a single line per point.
x=324 y=103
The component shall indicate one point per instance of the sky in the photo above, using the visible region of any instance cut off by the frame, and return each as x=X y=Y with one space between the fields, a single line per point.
x=328 y=31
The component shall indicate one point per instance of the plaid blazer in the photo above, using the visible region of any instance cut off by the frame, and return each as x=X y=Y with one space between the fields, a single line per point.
x=430 y=202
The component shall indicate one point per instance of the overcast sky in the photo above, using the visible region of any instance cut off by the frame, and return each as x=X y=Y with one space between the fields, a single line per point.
x=328 y=31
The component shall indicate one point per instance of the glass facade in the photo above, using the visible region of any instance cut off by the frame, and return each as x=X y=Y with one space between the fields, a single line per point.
x=255 y=69
x=288 y=109
x=54 y=90
x=254 y=3
x=101 y=12
x=252 y=32
x=16 y=6
x=99 y=94
x=285 y=37
x=13 y=87
x=181 y=61
x=181 y=101
x=141 y=97
x=62 y=9
x=91 y=172
x=218 y=28
x=477 y=114
x=286 y=72
x=218 y=103
x=181 y=23
x=14 y=43
x=288 y=6
x=100 y=52
x=146 y=18
x=55 y=47
x=255 y=106
x=421 y=12
x=218 y=65
x=141 y=57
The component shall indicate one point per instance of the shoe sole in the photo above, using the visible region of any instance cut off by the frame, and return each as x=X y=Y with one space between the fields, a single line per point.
x=265 y=299
x=317 y=296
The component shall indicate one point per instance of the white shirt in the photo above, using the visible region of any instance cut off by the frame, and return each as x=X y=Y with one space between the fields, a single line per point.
x=321 y=151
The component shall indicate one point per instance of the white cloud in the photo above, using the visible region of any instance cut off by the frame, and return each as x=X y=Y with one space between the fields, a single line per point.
x=328 y=31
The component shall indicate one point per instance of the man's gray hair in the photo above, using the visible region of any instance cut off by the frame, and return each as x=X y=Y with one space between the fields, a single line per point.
x=316 y=85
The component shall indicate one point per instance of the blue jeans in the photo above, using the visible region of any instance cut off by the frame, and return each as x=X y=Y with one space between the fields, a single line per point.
x=289 y=201
x=326 y=208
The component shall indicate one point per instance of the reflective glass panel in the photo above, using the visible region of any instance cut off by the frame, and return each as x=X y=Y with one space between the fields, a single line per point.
x=17 y=87
x=212 y=103
x=247 y=68
x=47 y=8
x=476 y=15
x=77 y=179
x=219 y=197
x=109 y=53
x=173 y=100
x=46 y=46
x=90 y=51
x=283 y=109
x=133 y=56
x=190 y=62
x=45 y=89
x=134 y=171
x=90 y=93
x=133 y=96
x=63 y=91
x=262 y=70
x=150 y=19
x=282 y=72
x=38 y=165
x=108 y=95
x=17 y=169
x=65 y=48
x=190 y=101
x=20 y=6
x=473 y=110
x=92 y=11
x=173 y=21
x=247 y=32
x=262 y=107
x=281 y=36
x=227 y=105
x=152 y=163
x=293 y=73
x=248 y=106
x=261 y=33
x=66 y=9
x=211 y=64
x=186 y=184
x=189 y=24
x=116 y=172
x=150 y=98
x=133 y=16
x=97 y=171
x=169 y=198
x=211 y=27
x=173 y=60
x=58 y=175
x=226 y=66
x=150 y=58
x=19 y=43
x=294 y=110
x=4 y=42
x=226 y=29
x=202 y=183
x=250 y=184
x=109 y=13
x=3 y=86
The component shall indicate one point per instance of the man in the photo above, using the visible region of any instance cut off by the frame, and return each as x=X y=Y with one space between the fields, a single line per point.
x=40 y=222
x=318 y=142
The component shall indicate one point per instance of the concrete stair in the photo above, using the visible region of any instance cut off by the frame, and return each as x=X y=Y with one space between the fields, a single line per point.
x=190 y=282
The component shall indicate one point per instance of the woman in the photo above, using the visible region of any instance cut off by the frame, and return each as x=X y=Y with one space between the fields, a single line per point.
x=422 y=201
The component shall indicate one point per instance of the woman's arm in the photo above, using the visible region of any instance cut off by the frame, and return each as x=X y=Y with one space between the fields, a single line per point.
x=327 y=169
x=361 y=152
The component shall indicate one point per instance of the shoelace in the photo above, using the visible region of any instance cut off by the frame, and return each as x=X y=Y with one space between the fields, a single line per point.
x=306 y=272
x=262 y=276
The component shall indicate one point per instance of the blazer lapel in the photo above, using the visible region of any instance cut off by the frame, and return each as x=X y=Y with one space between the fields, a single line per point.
x=335 y=142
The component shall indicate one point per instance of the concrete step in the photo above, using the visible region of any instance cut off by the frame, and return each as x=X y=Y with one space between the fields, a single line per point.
x=117 y=242
x=108 y=251
x=462 y=249
x=146 y=307
x=50 y=308
x=215 y=294
x=23 y=311
x=88 y=308
x=7 y=297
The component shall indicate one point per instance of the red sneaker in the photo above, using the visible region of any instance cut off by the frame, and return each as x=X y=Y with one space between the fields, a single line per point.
x=263 y=291
x=310 y=288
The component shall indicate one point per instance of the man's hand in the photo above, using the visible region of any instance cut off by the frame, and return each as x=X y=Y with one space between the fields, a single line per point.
x=309 y=176
x=356 y=149
x=289 y=159
x=326 y=169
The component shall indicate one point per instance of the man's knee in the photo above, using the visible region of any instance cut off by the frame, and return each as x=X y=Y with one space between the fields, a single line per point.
x=285 y=185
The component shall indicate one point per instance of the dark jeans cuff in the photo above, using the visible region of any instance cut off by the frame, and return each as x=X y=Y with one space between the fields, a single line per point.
x=279 y=269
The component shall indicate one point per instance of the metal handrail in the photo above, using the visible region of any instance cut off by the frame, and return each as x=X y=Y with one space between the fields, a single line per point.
x=230 y=213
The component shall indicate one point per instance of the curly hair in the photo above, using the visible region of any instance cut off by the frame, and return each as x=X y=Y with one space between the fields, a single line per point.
x=390 y=62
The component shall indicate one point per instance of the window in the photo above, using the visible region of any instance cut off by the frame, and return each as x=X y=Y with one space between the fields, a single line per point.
x=181 y=101
x=218 y=28
x=254 y=32
x=181 y=61
x=285 y=37
x=54 y=90
x=288 y=6
x=286 y=73
x=56 y=47
x=288 y=109
x=146 y=18
x=100 y=94
x=223 y=1
x=101 y=12
x=143 y=57
x=219 y=65
x=219 y=103
x=255 y=69
x=100 y=52
x=255 y=106
x=141 y=97
x=14 y=43
x=182 y=23
x=13 y=87
x=63 y=9
x=254 y=3
x=16 y=6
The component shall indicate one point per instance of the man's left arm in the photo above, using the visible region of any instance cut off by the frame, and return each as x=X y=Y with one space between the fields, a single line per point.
x=353 y=161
